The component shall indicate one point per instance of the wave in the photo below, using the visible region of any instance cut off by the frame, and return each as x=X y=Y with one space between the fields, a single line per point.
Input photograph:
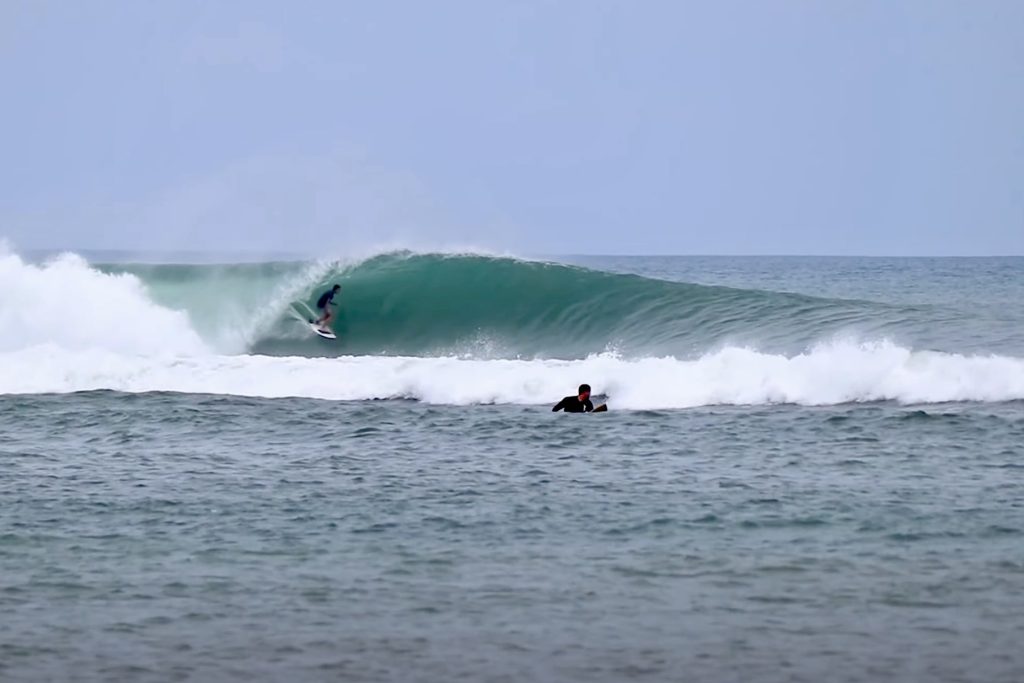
x=834 y=373
x=467 y=329
x=480 y=306
x=432 y=305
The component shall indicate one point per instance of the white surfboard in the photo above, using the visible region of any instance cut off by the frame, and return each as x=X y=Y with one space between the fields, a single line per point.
x=325 y=333
x=298 y=315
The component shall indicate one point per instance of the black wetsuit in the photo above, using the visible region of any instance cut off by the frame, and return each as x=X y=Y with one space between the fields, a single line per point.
x=573 y=404
x=325 y=298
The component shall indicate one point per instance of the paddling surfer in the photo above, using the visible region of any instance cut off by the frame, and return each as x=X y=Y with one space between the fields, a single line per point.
x=576 y=404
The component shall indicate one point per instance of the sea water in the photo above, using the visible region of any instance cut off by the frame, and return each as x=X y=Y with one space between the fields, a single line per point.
x=811 y=470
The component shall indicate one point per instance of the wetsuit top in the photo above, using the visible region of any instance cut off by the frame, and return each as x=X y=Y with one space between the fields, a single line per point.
x=573 y=404
x=326 y=297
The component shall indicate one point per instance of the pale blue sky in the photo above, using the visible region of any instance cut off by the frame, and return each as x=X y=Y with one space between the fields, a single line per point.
x=789 y=127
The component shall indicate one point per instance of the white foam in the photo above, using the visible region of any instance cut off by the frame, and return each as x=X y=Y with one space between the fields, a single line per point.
x=834 y=373
x=65 y=301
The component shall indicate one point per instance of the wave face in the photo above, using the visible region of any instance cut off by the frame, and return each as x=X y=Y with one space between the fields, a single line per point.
x=480 y=329
x=491 y=307
x=429 y=305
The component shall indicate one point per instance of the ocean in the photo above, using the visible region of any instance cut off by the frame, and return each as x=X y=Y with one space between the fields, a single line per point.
x=811 y=470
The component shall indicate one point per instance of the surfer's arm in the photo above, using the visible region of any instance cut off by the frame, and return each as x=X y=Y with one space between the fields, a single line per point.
x=588 y=407
x=558 y=406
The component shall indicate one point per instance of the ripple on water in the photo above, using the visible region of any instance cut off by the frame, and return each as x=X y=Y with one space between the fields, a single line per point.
x=404 y=541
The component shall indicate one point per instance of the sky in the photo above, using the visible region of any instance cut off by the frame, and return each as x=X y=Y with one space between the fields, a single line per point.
x=568 y=127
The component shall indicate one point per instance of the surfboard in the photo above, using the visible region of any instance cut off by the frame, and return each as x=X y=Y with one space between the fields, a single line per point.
x=304 y=314
x=326 y=334
x=603 y=408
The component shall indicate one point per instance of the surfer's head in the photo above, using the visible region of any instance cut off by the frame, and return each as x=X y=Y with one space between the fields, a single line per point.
x=584 y=392
x=335 y=288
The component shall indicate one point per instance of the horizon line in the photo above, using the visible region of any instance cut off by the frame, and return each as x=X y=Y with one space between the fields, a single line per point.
x=299 y=255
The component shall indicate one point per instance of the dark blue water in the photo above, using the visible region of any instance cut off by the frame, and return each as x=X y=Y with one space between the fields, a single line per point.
x=175 y=537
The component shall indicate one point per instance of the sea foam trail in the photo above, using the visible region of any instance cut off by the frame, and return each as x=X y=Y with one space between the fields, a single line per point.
x=840 y=372
x=66 y=302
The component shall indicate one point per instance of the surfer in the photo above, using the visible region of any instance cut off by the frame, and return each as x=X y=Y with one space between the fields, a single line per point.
x=323 y=305
x=576 y=404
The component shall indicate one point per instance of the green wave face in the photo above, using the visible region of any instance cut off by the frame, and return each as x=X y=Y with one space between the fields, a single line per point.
x=412 y=304
x=493 y=307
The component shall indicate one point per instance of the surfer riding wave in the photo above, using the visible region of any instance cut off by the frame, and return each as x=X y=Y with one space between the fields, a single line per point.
x=323 y=305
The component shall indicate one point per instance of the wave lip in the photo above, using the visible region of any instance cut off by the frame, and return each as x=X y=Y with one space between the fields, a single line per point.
x=834 y=373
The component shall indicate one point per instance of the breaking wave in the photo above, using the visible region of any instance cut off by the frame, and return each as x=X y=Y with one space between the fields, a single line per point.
x=465 y=329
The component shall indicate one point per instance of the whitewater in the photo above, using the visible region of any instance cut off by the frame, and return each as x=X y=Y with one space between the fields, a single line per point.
x=464 y=329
